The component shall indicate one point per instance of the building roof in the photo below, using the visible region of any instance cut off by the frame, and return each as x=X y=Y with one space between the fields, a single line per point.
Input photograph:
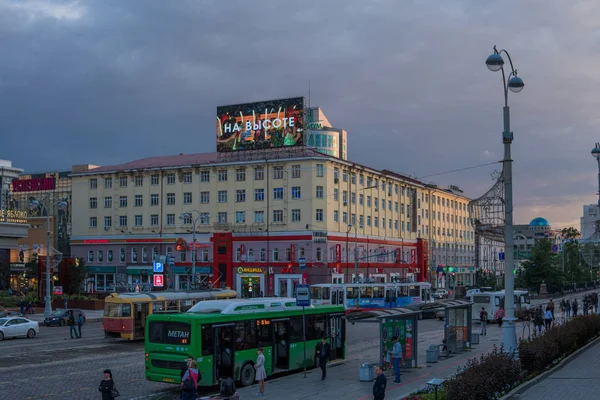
x=539 y=221
x=160 y=162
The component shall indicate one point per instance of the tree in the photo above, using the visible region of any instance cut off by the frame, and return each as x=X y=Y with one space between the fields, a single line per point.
x=542 y=267
x=573 y=270
x=76 y=277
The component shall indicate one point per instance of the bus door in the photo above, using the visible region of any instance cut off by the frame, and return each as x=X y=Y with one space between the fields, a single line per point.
x=337 y=296
x=223 y=335
x=281 y=343
x=390 y=297
x=338 y=336
x=140 y=314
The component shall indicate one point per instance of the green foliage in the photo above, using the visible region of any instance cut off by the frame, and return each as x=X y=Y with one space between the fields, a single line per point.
x=574 y=270
x=542 y=267
x=76 y=278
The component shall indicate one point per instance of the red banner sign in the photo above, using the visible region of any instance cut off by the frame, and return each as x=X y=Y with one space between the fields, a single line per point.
x=288 y=270
x=338 y=253
x=413 y=256
x=33 y=185
x=95 y=241
x=158 y=280
x=292 y=251
x=305 y=278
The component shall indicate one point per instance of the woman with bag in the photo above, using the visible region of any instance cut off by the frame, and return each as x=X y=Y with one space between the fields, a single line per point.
x=107 y=386
x=260 y=374
x=189 y=382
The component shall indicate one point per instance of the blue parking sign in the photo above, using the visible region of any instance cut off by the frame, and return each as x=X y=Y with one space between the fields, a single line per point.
x=158 y=267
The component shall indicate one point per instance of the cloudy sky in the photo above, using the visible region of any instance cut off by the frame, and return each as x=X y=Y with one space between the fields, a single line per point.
x=108 y=81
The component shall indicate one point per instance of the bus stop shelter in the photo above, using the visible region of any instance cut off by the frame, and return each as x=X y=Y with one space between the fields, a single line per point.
x=400 y=322
x=458 y=324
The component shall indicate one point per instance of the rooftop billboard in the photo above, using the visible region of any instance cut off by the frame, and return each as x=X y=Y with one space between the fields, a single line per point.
x=264 y=125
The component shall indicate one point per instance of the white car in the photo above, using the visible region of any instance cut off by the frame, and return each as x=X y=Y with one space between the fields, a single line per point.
x=18 y=327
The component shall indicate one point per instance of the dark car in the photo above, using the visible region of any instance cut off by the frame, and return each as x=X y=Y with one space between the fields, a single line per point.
x=61 y=317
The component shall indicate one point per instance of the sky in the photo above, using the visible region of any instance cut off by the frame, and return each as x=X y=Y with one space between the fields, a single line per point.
x=109 y=81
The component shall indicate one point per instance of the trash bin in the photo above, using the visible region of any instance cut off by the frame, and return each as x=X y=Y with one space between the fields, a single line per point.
x=366 y=372
x=474 y=338
x=432 y=354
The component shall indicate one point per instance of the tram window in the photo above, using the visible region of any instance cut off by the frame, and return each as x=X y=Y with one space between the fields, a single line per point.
x=208 y=341
x=334 y=299
x=315 y=293
x=296 y=329
x=366 y=292
x=378 y=292
x=403 y=291
x=326 y=292
x=172 y=306
x=158 y=306
x=414 y=291
x=352 y=292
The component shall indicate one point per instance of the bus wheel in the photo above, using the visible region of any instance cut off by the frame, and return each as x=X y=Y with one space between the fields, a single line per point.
x=247 y=375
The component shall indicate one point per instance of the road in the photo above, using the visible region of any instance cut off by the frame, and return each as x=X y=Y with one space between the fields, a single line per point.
x=53 y=366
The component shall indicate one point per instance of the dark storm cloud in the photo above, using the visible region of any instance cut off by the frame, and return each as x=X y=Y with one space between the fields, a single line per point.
x=109 y=81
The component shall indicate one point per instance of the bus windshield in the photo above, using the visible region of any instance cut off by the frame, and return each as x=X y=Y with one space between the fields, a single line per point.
x=169 y=332
x=117 y=310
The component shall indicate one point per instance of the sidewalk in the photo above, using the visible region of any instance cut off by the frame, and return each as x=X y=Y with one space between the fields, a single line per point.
x=577 y=379
x=91 y=315
x=343 y=377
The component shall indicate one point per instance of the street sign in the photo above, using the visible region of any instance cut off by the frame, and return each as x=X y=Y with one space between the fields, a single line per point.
x=158 y=268
x=171 y=261
x=302 y=262
x=501 y=256
x=158 y=280
x=302 y=296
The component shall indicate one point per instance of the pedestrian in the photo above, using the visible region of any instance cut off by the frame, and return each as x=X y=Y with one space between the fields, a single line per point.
x=9 y=291
x=188 y=360
x=548 y=318
x=396 y=354
x=189 y=382
x=538 y=319
x=499 y=316
x=483 y=317
x=107 y=386
x=22 y=305
x=66 y=300
x=550 y=306
x=387 y=359
x=574 y=307
x=323 y=350
x=79 y=323
x=260 y=374
x=380 y=384
x=71 y=322
x=562 y=309
x=568 y=309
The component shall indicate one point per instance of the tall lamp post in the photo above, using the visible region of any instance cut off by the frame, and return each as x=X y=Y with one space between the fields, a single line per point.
x=190 y=215
x=512 y=82
x=38 y=205
x=596 y=154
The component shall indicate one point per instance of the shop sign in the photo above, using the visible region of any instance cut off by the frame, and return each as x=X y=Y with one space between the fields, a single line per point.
x=17 y=267
x=13 y=216
x=95 y=241
x=58 y=290
x=33 y=184
x=319 y=236
x=249 y=270
x=288 y=270
x=338 y=253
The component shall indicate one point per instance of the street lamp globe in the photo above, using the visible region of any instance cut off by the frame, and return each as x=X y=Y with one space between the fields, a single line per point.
x=515 y=84
x=34 y=205
x=62 y=205
x=494 y=62
x=596 y=152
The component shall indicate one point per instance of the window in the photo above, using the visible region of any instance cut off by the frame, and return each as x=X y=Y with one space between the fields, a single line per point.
x=259 y=173
x=277 y=172
x=336 y=194
x=376 y=203
x=361 y=199
x=138 y=200
x=171 y=219
x=204 y=218
x=122 y=254
x=259 y=217
x=320 y=170
x=368 y=220
x=93 y=222
x=204 y=176
x=154 y=199
x=376 y=222
x=170 y=179
x=107 y=222
x=108 y=183
x=296 y=215
x=240 y=217
x=138 y=180
x=222 y=217
x=275 y=254
x=222 y=196
x=353 y=178
x=390 y=205
x=123 y=181
x=93 y=184
x=240 y=195
x=353 y=219
x=240 y=174
x=277 y=193
x=204 y=197
x=277 y=216
x=90 y=256
x=108 y=202
x=361 y=179
x=361 y=220
x=336 y=216
x=368 y=201
x=345 y=197
x=109 y=256
x=259 y=194
x=154 y=219
x=345 y=175
x=296 y=192
x=336 y=175
x=222 y=175
x=353 y=197
x=187 y=219
x=123 y=220
x=170 y=199
x=295 y=171
x=154 y=179
x=123 y=201
x=137 y=220
x=319 y=194
x=187 y=198
x=319 y=254
x=345 y=217
x=319 y=215
x=187 y=177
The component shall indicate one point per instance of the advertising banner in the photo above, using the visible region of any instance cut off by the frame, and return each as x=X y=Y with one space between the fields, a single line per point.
x=264 y=125
x=338 y=253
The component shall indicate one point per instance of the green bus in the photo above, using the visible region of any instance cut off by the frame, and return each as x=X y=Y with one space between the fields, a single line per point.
x=223 y=336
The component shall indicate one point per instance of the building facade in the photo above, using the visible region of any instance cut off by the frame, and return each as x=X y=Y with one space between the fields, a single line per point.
x=320 y=135
x=528 y=235
x=589 y=220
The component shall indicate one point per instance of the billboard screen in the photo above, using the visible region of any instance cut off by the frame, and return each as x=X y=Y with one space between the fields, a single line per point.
x=264 y=125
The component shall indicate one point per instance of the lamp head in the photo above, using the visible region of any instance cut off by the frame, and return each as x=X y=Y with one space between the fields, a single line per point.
x=34 y=205
x=596 y=151
x=494 y=62
x=515 y=84
x=62 y=205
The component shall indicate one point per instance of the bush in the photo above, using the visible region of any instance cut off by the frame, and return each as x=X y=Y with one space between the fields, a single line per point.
x=539 y=352
x=427 y=394
x=487 y=377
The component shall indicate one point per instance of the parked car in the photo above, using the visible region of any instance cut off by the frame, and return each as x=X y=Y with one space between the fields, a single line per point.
x=18 y=327
x=61 y=317
x=441 y=294
x=441 y=314
x=6 y=314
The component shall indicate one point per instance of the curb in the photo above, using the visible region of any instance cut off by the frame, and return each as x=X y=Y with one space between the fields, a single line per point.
x=516 y=392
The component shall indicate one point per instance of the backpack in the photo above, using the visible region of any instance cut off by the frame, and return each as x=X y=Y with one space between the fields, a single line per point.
x=227 y=387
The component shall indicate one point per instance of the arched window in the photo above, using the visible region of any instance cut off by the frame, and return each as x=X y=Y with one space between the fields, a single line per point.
x=319 y=254
x=134 y=255
x=155 y=254
x=288 y=254
x=250 y=255
x=122 y=254
x=275 y=254
x=144 y=255
x=263 y=255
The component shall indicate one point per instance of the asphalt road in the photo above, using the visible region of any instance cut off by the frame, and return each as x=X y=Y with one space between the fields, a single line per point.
x=53 y=366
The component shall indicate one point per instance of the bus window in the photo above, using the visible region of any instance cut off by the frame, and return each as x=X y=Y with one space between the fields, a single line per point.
x=378 y=292
x=170 y=332
x=481 y=299
x=315 y=293
x=244 y=335
x=208 y=341
x=351 y=292
x=326 y=293
x=262 y=333
x=315 y=327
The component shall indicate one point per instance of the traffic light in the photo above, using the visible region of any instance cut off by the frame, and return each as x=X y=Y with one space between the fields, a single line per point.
x=451 y=269
x=515 y=271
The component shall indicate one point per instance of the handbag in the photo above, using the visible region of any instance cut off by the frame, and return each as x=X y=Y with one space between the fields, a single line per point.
x=114 y=392
x=188 y=385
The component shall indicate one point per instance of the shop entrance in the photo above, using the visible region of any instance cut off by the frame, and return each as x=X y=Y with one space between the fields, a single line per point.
x=285 y=285
x=251 y=286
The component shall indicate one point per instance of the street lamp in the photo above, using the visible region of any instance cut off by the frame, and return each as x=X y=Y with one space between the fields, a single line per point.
x=596 y=154
x=495 y=63
x=38 y=205
x=190 y=215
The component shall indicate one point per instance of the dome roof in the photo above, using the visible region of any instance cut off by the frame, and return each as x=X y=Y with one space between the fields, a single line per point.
x=539 y=222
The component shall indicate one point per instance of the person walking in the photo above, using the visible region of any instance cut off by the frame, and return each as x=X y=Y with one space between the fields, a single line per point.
x=550 y=306
x=538 y=319
x=379 y=384
x=483 y=317
x=71 y=322
x=548 y=318
x=22 y=305
x=189 y=382
x=396 y=354
x=66 y=301
x=574 y=307
x=260 y=374
x=188 y=360
x=79 y=323
x=562 y=309
x=107 y=386
x=567 y=309
x=499 y=316
x=323 y=350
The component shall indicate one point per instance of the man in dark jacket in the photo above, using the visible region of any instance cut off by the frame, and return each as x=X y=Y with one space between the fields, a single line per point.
x=380 y=384
x=323 y=351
